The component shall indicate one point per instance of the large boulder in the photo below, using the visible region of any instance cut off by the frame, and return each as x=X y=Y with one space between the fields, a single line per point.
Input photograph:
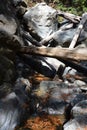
x=42 y=19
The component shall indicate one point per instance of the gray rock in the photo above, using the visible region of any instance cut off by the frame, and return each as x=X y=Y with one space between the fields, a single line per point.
x=79 y=123
x=55 y=96
x=45 y=66
x=58 y=90
x=42 y=19
x=12 y=106
x=79 y=83
x=78 y=98
x=80 y=108
x=64 y=36
x=55 y=107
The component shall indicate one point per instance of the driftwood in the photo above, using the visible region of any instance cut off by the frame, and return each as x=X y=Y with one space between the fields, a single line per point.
x=74 y=41
x=68 y=16
x=63 y=31
x=70 y=57
x=53 y=35
x=47 y=39
x=79 y=29
x=62 y=53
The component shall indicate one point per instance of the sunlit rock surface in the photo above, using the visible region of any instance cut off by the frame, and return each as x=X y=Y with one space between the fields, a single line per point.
x=41 y=19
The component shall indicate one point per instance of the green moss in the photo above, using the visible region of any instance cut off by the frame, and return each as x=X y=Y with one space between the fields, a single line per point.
x=78 y=7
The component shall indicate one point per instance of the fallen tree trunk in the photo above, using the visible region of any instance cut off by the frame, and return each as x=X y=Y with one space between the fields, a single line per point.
x=61 y=53
x=68 y=57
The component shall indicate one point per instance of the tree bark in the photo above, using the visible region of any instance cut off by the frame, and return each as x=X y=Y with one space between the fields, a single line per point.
x=69 y=16
x=69 y=57
x=62 y=53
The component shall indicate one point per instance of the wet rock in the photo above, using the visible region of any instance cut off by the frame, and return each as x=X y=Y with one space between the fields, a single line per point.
x=80 y=108
x=79 y=123
x=54 y=96
x=58 y=90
